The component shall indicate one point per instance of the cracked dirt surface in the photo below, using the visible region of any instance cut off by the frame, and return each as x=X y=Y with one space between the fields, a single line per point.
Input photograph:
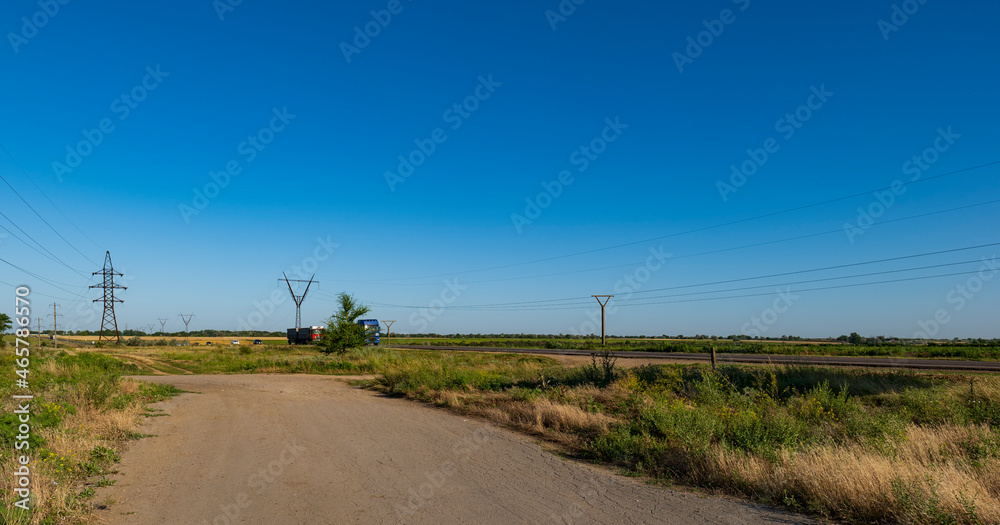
x=302 y=449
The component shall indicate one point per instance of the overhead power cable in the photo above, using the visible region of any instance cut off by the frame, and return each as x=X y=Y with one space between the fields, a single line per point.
x=735 y=248
x=46 y=253
x=33 y=183
x=543 y=304
x=39 y=215
x=706 y=228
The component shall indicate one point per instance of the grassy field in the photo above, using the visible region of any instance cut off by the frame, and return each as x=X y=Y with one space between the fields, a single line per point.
x=942 y=351
x=862 y=446
x=82 y=416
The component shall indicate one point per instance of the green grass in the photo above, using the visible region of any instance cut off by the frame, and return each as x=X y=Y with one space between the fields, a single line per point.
x=686 y=423
x=78 y=399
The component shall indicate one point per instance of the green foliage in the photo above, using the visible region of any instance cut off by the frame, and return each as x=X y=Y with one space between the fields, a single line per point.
x=343 y=332
x=5 y=324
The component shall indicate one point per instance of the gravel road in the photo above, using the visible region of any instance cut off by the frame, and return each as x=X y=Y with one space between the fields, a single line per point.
x=297 y=449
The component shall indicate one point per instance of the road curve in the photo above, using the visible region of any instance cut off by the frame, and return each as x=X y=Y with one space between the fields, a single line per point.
x=879 y=362
x=279 y=449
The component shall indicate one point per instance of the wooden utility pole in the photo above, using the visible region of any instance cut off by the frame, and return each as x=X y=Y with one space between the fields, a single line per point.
x=55 y=325
x=388 y=331
x=713 y=358
x=604 y=340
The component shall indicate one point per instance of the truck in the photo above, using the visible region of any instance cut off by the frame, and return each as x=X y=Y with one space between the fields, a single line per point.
x=305 y=336
x=370 y=326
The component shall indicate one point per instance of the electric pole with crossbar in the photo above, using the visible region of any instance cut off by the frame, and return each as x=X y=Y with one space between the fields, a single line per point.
x=604 y=340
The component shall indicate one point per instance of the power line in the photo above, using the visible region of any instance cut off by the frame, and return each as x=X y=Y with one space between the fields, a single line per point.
x=39 y=277
x=743 y=247
x=853 y=285
x=48 y=254
x=543 y=304
x=32 y=208
x=706 y=228
x=901 y=270
x=25 y=173
x=837 y=267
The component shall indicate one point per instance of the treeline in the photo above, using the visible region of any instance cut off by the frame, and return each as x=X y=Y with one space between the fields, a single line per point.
x=193 y=333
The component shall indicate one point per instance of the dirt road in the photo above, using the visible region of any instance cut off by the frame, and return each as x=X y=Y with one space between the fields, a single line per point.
x=312 y=450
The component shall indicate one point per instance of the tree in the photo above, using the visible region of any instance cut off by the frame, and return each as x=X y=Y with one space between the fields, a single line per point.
x=343 y=332
x=855 y=339
x=5 y=323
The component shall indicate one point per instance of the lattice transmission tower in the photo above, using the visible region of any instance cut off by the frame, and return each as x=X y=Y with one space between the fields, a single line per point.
x=297 y=299
x=108 y=321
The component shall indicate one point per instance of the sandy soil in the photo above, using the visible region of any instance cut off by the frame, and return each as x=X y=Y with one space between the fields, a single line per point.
x=280 y=449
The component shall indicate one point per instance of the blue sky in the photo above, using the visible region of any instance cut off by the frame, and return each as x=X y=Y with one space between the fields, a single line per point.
x=312 y=120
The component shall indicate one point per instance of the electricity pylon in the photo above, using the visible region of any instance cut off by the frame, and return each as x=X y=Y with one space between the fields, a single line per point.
x=298 y=300
x=108 y=320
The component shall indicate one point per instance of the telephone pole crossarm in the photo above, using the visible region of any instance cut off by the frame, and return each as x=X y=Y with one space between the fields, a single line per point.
x=604 y=339
x=388 y=331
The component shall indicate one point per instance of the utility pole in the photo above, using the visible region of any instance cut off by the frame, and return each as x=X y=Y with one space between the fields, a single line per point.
x=604 y=340
x=388 y=331
x=186 y=320
x=55 y=325
x=163 y=323
x=298 y=299
x=38 y=333
x=108 y=320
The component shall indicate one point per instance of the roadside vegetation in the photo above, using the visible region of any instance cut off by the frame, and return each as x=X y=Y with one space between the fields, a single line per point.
x=856 y=445
x=83 y=414
x=863 y=446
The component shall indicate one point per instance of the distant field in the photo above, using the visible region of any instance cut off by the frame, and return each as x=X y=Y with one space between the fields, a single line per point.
x=931 y=351
x=199 y=340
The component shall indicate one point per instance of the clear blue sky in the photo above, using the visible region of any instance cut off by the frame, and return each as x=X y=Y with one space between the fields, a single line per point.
x=181 y=91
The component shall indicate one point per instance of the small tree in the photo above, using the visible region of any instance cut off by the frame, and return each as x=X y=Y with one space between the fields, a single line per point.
x=5 y=324
x=855 y=339
x=343 y=332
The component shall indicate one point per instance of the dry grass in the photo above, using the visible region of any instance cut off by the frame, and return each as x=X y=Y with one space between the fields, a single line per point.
x=862 y=446
x=84 y=417
x=929 y=480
